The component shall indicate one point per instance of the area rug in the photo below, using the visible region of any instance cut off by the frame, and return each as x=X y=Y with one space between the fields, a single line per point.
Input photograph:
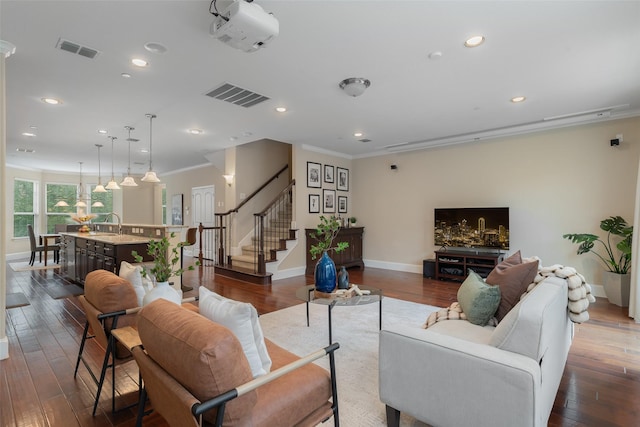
x=17 y=299
x=24 y=266
x=355 y=328
x=63 y=291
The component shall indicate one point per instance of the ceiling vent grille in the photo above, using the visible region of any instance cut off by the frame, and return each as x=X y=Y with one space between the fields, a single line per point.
x=237 y=95
x=76 y=48
x=364 y=140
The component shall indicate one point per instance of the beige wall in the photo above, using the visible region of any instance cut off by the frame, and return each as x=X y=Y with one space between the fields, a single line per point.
x=182 y=183
x=554 y=182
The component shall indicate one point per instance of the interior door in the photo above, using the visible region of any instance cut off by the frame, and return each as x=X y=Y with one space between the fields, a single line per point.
x=203 y=211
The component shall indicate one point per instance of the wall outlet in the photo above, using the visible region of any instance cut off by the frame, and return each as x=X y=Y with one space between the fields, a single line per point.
x=158 y=233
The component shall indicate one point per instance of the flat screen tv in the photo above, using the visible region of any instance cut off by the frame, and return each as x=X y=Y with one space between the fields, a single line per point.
x=477 y=228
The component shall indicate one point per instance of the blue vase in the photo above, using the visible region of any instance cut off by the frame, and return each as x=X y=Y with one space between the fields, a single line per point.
x=325 y=274
x=343 y=278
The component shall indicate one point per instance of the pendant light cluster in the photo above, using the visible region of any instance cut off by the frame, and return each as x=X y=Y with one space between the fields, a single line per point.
x=112 y=185
x=150 y=176
x=129 y=181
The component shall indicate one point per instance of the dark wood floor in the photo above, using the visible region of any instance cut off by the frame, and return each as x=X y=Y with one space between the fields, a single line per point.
x=600 y=384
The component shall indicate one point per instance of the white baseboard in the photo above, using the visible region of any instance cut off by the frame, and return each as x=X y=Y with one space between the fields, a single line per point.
x=598 y=291
x=4 y=348
x=409 y=268
x=18 y=255
x=290 y=272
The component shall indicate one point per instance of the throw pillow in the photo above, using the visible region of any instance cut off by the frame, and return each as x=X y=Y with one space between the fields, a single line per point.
x=478 y=300
x=513 y=278
x=242 y=319
x=133 y=273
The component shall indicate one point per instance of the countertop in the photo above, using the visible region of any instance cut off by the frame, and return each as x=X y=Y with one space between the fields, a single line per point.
x=110 y=238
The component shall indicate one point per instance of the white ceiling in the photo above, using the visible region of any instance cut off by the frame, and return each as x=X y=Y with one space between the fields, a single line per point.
x=566 y=57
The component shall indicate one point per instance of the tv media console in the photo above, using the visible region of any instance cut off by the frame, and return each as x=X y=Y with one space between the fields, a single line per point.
x=454 y=265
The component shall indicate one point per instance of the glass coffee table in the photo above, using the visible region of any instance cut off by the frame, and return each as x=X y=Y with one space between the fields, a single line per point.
x=307 y=294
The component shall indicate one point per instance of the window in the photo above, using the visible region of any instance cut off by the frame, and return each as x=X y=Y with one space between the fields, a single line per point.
x=59 y=214
x=24 y=206
x=164 y=205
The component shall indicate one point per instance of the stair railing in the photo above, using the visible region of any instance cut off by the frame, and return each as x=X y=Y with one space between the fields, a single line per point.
x=224 y=222
x=272 y=226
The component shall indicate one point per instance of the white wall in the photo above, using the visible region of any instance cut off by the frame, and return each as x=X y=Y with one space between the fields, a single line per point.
x=554 y=182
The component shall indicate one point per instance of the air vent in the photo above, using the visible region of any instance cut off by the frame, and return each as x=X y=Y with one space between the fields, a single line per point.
x=25 y=150
x=237 y=95
x=76 y=48
x=364 y=140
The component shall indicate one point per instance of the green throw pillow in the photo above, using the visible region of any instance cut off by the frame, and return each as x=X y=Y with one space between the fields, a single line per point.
x=478 y=300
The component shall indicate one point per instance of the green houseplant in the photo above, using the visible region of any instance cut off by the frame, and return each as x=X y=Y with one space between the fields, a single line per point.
x=164 y=259
x=325 y=234
x=616 y=280
x=616 y=261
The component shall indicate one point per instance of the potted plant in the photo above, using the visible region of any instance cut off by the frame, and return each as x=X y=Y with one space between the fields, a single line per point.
x=617 y=279
x=352 y=221
x=165 y=261
x=325 y=271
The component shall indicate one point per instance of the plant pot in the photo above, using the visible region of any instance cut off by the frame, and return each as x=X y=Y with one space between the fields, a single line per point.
x=162 y=290
x=616 y=287
x=325 y=274
x=343 y=278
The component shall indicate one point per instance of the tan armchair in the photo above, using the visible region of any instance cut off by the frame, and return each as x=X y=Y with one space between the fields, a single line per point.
x=195 y=373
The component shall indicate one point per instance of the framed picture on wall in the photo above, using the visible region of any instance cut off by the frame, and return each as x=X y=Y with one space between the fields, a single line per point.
x=314 y=172
x=176 y=209
x=342 y=204
x=343 y=179
x=314 y=203
x=328 y=174
x=328 y=201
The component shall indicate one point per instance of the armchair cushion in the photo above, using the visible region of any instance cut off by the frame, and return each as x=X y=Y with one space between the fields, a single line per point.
x=242 y=319
x=133 y=273
x=203 y=356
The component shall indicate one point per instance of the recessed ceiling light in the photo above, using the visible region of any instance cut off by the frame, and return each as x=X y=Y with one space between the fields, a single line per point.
x=144 y=150
x=138 y=62
x=358 y=134
x=195 y=131
x=125 y=75
x=102 y=131
x=51 y=101
x=155 y=47
x=281 y=109
x=474 y=41
x=247 y=133
x=233 y=138
x=28 y=134
x=33 y=127
x=516 y=99
x=435 y=55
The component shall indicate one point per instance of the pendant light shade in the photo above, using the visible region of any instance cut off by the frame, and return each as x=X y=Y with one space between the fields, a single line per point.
x=82 y=195
x=61 y=204
x=150 y=176
x=97 y=205
x=129 y=181
x=112 y=185
x=99 y=188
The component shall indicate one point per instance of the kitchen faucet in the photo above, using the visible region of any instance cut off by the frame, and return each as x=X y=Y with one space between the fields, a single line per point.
x=119 y=221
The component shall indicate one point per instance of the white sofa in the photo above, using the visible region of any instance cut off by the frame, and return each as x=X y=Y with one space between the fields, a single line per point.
x=459 y=374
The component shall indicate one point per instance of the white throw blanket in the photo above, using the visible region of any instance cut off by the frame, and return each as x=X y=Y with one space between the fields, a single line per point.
x=579 y=295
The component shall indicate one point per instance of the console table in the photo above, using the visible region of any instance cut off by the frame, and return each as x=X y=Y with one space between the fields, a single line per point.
x=350 y=257
x=454 y=265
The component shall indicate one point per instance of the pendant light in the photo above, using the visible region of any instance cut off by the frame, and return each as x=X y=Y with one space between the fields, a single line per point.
x=150 y=176
x=82 y=196
x=129 y=181
x=112 y=185
x=99 y=188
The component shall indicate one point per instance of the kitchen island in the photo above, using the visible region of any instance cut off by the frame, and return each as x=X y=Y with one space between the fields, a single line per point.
x=81 y=253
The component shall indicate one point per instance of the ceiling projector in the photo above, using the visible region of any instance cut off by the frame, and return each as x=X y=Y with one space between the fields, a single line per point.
x=244 y=25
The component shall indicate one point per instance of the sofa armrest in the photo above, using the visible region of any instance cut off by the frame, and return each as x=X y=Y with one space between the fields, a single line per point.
x=446 y=381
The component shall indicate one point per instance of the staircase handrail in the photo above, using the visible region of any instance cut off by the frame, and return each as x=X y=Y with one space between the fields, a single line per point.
x=252 y=195
x=276 y=199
